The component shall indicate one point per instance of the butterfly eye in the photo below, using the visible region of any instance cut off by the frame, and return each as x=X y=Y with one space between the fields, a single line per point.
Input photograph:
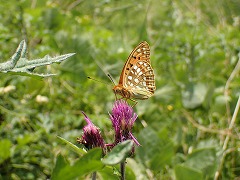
x=116 y=89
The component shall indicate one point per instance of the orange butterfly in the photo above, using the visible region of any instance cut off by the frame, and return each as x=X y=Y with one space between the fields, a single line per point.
x=137 y=77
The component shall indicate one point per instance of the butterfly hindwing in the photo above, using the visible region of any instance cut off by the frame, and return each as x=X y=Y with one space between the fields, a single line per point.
x=137 y=77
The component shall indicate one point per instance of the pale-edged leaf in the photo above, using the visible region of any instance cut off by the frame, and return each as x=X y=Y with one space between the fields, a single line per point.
x=20 y=65
x=119 y=153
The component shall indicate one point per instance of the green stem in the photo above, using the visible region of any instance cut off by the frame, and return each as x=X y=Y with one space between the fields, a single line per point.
x=94 y=175
x=122 y=169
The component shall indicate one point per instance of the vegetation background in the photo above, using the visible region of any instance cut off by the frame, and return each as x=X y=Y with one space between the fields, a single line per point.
x=183 y=129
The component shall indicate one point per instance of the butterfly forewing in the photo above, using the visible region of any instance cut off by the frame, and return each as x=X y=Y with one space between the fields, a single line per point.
x=141 y=52
x=137 y=77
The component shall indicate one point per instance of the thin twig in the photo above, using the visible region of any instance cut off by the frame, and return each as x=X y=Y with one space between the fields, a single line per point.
x=68 y=86
x=205 y=129
x=74 y=4
x=33 y=4
x=217 y=174
x=233 y=119
x=226 y=89
x=10 y=111
x=225 y=144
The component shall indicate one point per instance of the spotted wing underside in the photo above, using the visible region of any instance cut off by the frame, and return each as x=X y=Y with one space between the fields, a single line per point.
x=137 y=74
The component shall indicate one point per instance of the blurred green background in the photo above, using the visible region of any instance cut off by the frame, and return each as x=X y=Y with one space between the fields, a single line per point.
x=194 y=50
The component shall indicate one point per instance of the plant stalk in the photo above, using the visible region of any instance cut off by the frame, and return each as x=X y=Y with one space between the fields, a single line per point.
x=94 y=175
x=122 y=169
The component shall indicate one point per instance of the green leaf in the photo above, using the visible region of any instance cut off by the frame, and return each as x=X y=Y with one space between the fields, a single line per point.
x=73 y=146
x=24 y=139
x=186 y=173
x=20 y=65
x=5 y=152
x=107 y=173
x=194 y=95
x=151 y=142
x=129 y=173
x=61 y=163
x=88 y=163
x=204 y=160
x=163 y=157
x=21 y=51
x=119 y=153
x=138 y=169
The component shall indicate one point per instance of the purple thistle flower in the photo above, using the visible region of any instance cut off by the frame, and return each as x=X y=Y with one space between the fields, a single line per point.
x=91 y=135
x=123 y=118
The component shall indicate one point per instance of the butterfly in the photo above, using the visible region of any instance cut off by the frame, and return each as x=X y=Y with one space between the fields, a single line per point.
x=137 y=78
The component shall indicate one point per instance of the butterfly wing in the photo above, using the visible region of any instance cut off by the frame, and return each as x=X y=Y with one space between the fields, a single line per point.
x=141 y=52
x=137 y=75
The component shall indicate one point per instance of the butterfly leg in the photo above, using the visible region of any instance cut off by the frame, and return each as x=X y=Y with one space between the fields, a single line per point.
x=115 y=96
x=125 y=99
x=119 y=98
x=134 y=102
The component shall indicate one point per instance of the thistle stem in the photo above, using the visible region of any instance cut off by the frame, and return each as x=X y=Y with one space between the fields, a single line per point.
x=94 y=175
x=122 y=169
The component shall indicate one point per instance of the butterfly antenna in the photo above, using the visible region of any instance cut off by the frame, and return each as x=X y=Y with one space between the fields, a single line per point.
x=97 y=80
x=103 y=69
x=106 y=72
x=111 y=79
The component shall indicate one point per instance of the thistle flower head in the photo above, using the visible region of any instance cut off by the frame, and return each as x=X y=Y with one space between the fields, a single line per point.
x=91 y=135
x=123 y=118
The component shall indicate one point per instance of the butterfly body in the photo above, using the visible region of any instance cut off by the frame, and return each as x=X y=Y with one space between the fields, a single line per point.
x=137 y=77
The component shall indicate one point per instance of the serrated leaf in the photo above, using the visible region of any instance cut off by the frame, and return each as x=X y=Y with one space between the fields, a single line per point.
x=30 y=74
x=25 y=64
x=119 y=153
x=73 y=146
x=88 y=163
x=15 y=57
x=19 y=64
